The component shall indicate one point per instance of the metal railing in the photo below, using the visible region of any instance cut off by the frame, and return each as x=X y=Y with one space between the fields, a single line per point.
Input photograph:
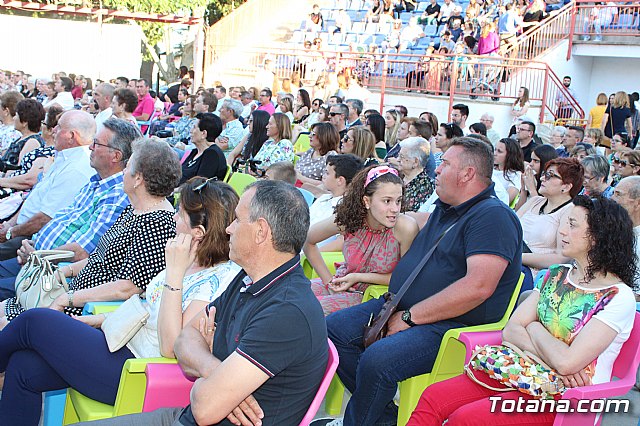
x=536 y=40
x=592 y=23
x=452 y=76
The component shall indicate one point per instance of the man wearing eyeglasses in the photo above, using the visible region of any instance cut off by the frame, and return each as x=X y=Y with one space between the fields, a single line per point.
x=338 y=115
x=524 y=134
x=265 y=101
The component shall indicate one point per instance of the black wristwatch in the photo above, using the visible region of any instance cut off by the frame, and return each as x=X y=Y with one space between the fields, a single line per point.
x=406 y=317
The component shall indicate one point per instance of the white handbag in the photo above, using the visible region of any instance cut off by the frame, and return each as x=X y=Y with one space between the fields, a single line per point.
x=40 y=282
x=121 y=325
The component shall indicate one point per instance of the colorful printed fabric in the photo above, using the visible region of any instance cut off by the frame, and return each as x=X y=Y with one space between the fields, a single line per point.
x=272 y=152
x=417 y=191
x=365 y=251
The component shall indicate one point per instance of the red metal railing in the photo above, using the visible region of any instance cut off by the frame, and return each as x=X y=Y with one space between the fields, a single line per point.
x=538 y=39
x=449 y=76
x=615 y=19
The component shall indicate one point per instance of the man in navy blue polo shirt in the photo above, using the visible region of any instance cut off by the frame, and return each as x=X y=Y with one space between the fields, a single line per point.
x=270 y=348
x=468 y=280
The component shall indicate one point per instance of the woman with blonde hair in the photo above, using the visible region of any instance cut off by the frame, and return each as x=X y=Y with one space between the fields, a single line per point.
x=392 y=121
x=617 y=116
x=361 y=142
x=595 y=137
x=597 y=112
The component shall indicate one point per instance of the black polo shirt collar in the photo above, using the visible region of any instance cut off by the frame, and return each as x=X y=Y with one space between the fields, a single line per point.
x=461 y=209
x=266 y=282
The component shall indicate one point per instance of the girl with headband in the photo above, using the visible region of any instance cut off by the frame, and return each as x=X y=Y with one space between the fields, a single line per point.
x=375 y=234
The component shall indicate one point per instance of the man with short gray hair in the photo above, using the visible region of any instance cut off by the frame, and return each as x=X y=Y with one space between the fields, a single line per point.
x=355 y=109
x=102 y=96
x=269 y=352
x=627 y=194
x=232 y=130
x=488 y=119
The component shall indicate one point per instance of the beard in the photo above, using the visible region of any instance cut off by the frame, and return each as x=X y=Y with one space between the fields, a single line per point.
x=566 y=84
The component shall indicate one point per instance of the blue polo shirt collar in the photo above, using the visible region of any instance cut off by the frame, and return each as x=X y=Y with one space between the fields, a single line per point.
x=461 y=209
x=271 y=279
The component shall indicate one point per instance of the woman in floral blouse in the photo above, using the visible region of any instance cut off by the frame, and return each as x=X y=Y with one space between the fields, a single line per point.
x=278 y=147
x=414 y=154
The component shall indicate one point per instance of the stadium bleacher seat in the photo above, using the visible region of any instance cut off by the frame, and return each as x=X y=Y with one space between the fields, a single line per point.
x=430 y=30
x=358 y=27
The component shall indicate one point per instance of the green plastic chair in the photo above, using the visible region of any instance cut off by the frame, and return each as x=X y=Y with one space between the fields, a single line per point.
x=228 y=174
x=449 y=361
x=302 y=144
x=129 y=399
x=239 y=182
x=330 y=258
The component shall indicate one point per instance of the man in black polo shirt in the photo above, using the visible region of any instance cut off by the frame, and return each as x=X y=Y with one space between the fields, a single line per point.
x=525 y=132
x=468 y=280
x=270 y=347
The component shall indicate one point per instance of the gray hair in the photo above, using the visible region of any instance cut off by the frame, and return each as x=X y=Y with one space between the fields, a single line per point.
x=634 y=186
x=285 y=210
x=82 y=122
x=597 y=165
x=417 y=147
x=560 y=129
x=107 y=90
x=124 y=133
x=158 y=164
x=489 y=117
x=356 y=104
x=235 y=106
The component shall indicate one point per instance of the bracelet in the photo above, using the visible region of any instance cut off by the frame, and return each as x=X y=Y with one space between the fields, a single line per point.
x=171 y=288
x=71 y=270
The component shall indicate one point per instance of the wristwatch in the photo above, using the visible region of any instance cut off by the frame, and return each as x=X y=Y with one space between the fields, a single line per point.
x=7 y=236
x=406 y=317
x=70 y=295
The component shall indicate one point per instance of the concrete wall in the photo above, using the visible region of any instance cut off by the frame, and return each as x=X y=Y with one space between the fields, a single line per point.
x=40 y=47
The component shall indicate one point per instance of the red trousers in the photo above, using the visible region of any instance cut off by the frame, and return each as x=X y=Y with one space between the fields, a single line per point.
x=464 y=402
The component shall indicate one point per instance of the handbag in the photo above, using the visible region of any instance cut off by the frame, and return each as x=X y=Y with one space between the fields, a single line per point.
x=40 y=281
x=517 y=370
x=377 y=328
x=120 y=326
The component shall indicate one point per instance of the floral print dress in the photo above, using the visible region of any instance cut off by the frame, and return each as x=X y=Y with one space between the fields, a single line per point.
x=274 y=152
x=365 y=251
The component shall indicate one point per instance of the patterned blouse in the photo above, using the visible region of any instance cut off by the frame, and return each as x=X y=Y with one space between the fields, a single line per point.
x=417 y=191
x=272 y=152
x=31 y=156
x=8 y=135
x=310 y=167
x=182 y=130
x=132 y=249
x=12 y=156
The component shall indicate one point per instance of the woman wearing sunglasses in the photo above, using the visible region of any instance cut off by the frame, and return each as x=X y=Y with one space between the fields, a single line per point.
x=626 y=164
x=324 y=141
x=541 y=216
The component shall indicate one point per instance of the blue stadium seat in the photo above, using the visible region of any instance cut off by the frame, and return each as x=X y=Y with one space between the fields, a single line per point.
x=371 y=28
x=350 y=38
x=405 y=16
x=430 y=30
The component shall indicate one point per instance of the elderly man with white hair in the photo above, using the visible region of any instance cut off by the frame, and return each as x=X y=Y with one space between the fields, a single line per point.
x=488 y=119
x=232 y=130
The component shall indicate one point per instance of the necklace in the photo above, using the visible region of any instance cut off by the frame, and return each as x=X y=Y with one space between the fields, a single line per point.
x=151 y=207
x=541 y=212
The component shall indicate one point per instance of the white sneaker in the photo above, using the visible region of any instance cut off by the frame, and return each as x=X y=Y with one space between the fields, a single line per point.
x=336 y=422
x=597 y=38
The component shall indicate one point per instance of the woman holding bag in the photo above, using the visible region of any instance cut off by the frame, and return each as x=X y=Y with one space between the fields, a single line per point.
x=130 y=253
x=576 y=319
x=198 y=270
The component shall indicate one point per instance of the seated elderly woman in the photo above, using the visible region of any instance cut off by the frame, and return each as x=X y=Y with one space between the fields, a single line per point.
x=418 y=184
x=541 y=216
x=130 y=253
x=124 y=102
x=324 y=141
x=278 y=147
x=557 y=134
x=375 y=234
x=596 y=176
x=28 y=121
x=207 y=159
x=34 y=162
x=593 y=297
x=8 y=133
x=62 y=351
x=581 y=150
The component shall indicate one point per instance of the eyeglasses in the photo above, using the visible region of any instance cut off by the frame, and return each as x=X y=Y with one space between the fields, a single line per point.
x=333 y=114
x=95 y=142
x=550 y=175
x=522 y=129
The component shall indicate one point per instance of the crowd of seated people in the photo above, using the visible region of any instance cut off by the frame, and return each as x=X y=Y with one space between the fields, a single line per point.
x=385 y=189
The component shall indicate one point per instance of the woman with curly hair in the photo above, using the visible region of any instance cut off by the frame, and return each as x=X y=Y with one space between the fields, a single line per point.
x=509 y=160
x=375 y=234
x=593 y=297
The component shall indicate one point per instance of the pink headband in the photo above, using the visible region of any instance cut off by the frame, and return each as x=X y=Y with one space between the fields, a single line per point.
x=376 y=172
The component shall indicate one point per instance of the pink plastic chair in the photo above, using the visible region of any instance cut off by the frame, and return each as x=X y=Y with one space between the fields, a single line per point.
x=167 y=386
x=624 y=369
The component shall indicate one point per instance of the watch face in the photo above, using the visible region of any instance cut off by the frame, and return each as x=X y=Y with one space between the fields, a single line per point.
x=406 y=316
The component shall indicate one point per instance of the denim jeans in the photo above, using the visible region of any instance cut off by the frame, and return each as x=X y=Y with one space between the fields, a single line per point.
x=8 y=271
x=372 y=375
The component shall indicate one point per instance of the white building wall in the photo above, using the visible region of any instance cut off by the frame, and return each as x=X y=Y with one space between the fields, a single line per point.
x=41 y=46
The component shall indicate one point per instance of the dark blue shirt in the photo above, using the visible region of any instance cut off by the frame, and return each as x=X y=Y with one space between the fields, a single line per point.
x=277 y=324
x=484 y=225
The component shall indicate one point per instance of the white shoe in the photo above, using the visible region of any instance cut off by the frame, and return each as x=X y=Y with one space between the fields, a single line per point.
x=597 y=38
x=585 y=38
x=336 y=422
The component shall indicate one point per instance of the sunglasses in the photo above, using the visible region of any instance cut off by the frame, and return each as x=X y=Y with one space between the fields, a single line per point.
x=623 y=163
x=333 y=114
x=198 y=189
